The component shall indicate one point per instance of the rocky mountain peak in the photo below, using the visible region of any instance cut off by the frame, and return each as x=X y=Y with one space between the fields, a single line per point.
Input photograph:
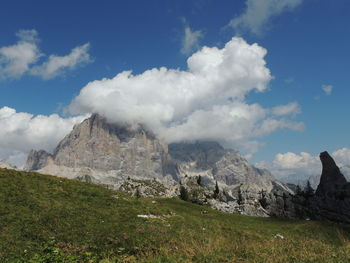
x=331 y=178
x=105 y=151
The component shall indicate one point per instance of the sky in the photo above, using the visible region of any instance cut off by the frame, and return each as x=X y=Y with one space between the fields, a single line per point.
x=266 y=77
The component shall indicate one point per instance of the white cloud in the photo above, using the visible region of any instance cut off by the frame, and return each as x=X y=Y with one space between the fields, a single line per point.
x=258 y=14
x=342 y=156
x=327 y=89
x=20 y=132
x=190 y=40
x=205 y=102
x=56 y=65
x=299 y=167
x=23 y=58
x=16 y=60
x=290 y=108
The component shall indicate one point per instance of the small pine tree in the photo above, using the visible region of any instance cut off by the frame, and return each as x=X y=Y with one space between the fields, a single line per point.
x=184 y=193
x=240 y=197
x=216 y=191
x=199 y=180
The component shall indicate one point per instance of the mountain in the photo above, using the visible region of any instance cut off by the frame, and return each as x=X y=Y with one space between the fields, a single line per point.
x=123 y=156
x=104 y=153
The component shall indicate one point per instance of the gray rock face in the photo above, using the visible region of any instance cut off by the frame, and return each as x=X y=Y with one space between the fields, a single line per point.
x=100 y=152
x=332 y=199
x=105 y=152
x=37 y=159
x=332 y=180
x=214 y=163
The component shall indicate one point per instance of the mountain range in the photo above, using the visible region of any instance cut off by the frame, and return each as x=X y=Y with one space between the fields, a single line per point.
x=132 y=159
x=122 y=156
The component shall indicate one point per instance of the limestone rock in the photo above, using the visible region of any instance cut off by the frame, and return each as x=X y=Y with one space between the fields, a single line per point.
x=106 y=152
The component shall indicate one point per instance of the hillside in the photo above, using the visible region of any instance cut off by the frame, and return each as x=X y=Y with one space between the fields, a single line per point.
x=50 y=219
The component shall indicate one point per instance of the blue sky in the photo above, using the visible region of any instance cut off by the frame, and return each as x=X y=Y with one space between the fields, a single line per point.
x=307 y=43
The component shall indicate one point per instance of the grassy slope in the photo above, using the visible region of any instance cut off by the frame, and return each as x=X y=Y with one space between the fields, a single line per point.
x=50 y=219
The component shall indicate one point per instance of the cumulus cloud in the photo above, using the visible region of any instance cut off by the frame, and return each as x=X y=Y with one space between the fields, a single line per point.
x=258 y=14
x=23 y=58
x=327 y=89
x=16 y=60
x=295 y=168
x=204 y=102
x=57 y=65
x=20 y=132
x=190 y=40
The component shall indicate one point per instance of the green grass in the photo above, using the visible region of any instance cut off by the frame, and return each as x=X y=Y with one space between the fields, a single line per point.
x=51 y=219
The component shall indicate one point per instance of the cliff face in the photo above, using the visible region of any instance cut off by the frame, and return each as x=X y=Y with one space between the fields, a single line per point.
x=106 y=152
x=214 y=163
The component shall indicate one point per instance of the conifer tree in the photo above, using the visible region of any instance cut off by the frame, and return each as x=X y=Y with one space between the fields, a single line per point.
x=216 y=191
x=199 y=180
x=184 y=193
x=309 y=191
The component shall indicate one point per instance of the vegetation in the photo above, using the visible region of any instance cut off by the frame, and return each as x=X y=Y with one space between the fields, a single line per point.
x=50 y=219
x=216 y=191
x=184 y=193
x=199 y=180
x=309 y=191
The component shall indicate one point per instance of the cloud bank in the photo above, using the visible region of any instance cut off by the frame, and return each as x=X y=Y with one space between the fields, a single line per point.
x=23 y=58
x=20 y=132
x=204 y=102
x=258 y=14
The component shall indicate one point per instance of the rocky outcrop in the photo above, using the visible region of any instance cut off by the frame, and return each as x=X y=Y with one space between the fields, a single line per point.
x=124 y=157
x=331 y=201
x=243 y=188
x=332 y=180
x=332 y=198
